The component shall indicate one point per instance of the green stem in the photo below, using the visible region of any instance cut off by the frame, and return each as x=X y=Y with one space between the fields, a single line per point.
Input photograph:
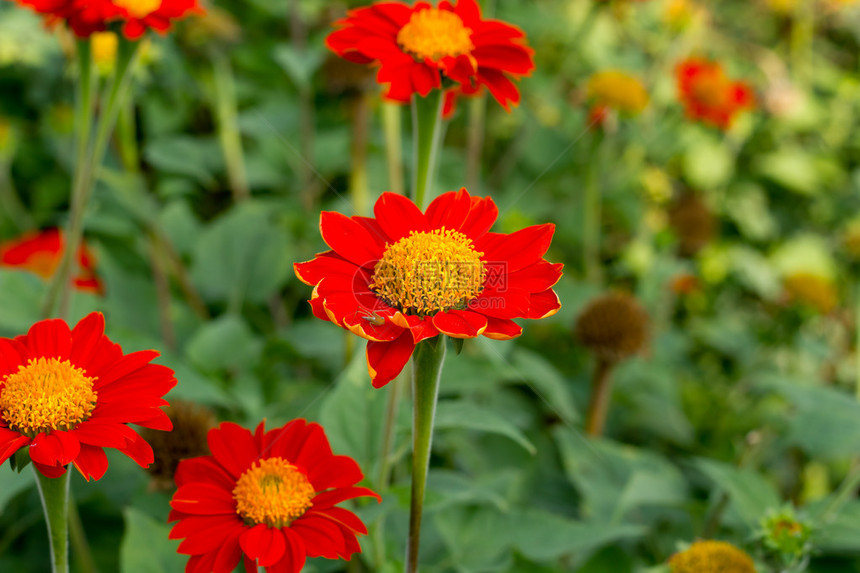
x=126 y=134
x=475 y=141
x=228 y=126
x=592 y=212
x=601 y=391
x=54 y=493
x=848 y=486
x=358 y=189
x=857 y=338
x=426 y=373
x=427 y=128
x=391 y=125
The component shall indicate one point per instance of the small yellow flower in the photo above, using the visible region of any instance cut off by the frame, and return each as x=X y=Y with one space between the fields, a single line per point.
x=104 y=46
x=711 y=557
x=618 y=90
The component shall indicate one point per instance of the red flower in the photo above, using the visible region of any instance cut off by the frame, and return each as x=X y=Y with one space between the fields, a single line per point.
x=69 y=394
x=85 y=16
x=268 y=498
x=406 y=276
x=709 y=95
x=40 y=253
x=416 y=46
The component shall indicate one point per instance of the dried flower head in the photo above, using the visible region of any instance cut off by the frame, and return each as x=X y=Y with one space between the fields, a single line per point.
x=613 y=326
x=191 y=423
x=693 y=223
x=711 y=557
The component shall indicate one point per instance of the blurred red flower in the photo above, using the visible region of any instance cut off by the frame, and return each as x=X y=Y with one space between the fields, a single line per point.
x=406 y=276
x=137 y=16
x=68 y=394
x=40 y=253
x=709 y=95
x=268 y=499
x=417 y=46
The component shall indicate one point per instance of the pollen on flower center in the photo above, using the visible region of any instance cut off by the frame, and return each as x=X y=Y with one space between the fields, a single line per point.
x=435 y=34
x=46 y=394
x=274 y=492
x=428 y=272
x=139 y=8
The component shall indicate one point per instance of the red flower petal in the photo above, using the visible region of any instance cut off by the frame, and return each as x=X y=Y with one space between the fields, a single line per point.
x=350 y=239
x=92 y=462
x=55 y=449
x=460 y=323
x=544 y=304
x=203 y=499
x=449 y=210
x=11 y=442
x=329 y=498
x=502 y=329
x=519 y=249
x=264 y=544
x=385 y=360
x=233 y=446
x=322 y=537
x=398 y=216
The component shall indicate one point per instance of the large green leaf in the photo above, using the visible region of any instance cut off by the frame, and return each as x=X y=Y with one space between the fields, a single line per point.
x=750 y=493
x=468 y=416
x=145 y=547
x=243 y=255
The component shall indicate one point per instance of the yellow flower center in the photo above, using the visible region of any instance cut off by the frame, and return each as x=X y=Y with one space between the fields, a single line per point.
x=274 y=492
x=139 y=8
x=425 y=273
x=46 y=394
x=435 y=34
x=711 y=89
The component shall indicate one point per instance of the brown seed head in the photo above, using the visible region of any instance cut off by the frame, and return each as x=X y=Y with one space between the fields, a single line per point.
x=613 y=326
x=693 y=223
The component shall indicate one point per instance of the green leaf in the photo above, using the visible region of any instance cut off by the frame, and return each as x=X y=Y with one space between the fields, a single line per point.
x=242 y=255
x=145 y=547
x=224 y=343
x=12 y=483
x=468 y=416
x=27 y=290
x=546 y=381
x=708 y=164
x=194 y=157
x=750 y=493
x=479 y=539
x=542 y=536
x=300 y=67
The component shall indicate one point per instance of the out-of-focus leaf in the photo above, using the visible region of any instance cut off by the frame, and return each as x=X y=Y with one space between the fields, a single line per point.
x=21 y=293
x=750 y=493
x=145 y=547
x=224 y=343
x=543 y=536
x=243 y=254
x=468 y=416
x=192 y=157
x=12 y=483
x=708 y=164
x=300 y=67
x=478 y=539
x=533 y=369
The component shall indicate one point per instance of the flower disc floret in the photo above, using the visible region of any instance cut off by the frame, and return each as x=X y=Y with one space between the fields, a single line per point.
x=273 y=492
x=139 y=8
x=46 y=394
x=428 y=272
x=434 y=34
x=711 y=557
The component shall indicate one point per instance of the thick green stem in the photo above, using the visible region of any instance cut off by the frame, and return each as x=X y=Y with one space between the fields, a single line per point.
x=391 y=124
x=228 y=126
x=592 y=213
x=427 y=128
x=426 y=373
x=54 y=493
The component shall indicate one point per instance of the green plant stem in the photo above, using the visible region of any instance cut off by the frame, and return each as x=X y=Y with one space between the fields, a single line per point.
x=87 y=166
x=392 y=126
x=54 y=493
x=592 y=212
x=475 y=141
x=802 y=37
x=857 y=339
x=848 y=486
x=601 y=391
x=427 y=128
x=358 y=189
x=228 y=126
x=426 y=374
x=126 y=135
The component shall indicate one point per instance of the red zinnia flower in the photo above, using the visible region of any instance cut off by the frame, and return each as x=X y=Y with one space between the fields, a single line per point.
x=416 y=45
x=708 y=94
x=40 y=253
x=87 y=16
x=406 y=276
x=69 y=394
x=268 y=498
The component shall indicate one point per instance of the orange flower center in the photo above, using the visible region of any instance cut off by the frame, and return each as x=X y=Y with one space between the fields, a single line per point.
x=711 y=89
x=435 y=34
x=425 y=273
x=139 y=8
x=46 y=394
x=274 y=492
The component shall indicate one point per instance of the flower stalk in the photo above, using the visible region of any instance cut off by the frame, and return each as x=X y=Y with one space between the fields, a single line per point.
x=54 y=493
x=427 y=129
x=601 y=391
x=426 y=374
